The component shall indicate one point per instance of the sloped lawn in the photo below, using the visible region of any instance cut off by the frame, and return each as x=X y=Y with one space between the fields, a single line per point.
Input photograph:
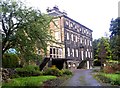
x=28 y=81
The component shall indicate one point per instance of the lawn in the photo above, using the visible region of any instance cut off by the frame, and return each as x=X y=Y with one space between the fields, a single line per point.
x=28 y=81
x=113 y=79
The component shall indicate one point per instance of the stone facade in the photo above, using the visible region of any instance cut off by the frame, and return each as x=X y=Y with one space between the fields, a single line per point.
x=73 y=40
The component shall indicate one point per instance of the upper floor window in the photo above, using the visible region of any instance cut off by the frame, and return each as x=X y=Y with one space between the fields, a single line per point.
x=80 y=29
x=91 y=55
x=67 y=22
x=90 y=43
x=85 y=41
x=76 y=52
x=86 y=54
x=59 y=52
x=72 y=37
x=76 y=38
x=73 y=52
x=71 y=24
x=57 y=35
x=67 y=36
x=81 y=40
x=68 y=51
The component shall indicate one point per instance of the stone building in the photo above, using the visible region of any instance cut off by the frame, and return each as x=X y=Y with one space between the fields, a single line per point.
x=73 y=41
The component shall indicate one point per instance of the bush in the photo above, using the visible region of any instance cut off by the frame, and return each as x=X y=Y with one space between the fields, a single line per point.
x=112 y=68
x=10 y=60
x=52 y=71
x=29 y=70
x=67 y=72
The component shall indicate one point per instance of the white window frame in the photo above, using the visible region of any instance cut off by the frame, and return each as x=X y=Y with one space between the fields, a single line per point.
x=67 y=36
x=67 y=22
x=72 y=37
x=81 y=40
x=90 y=43
x=68 y=51
x=76 y=52
x=76 y=38
x=82 y=55
x=91 y=55
x=73 y=52
x=57 y=36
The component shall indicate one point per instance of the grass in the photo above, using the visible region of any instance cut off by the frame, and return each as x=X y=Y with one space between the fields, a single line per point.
x=28 y=81
x=113 y=79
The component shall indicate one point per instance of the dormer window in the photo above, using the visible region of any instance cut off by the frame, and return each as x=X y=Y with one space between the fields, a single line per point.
x=67 y=22
x=71 y=24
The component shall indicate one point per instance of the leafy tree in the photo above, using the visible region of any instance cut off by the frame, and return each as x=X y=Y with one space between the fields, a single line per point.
x=104 y=52
x=24 y=29
x=115 y=38
x=95 y=47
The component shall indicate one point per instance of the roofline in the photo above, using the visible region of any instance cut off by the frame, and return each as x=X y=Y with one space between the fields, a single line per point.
x=75 y=21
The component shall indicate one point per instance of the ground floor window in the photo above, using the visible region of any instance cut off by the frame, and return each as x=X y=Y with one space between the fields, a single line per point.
x=55 y=52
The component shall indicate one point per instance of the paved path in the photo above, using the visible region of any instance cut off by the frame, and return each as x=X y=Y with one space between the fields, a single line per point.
x=81 y=77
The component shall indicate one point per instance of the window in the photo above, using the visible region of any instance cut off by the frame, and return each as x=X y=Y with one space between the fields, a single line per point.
x=85 y=41
x=72 y=37
x=81 y=40
x=57 y=35
x=76 y=38
x=80 y=29
x=76 y=52
x=86 y=53
x=59 y=53
x=71 y=24
x=91 y=55
x=55 y=52
x=68 y=51
x=67 y=36
x=67 y=22
x=82 y=54
x=90 y=43
x=73 y=52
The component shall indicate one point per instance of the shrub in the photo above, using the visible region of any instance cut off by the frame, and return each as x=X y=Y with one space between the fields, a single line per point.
x=14 y=76
x=29 y=70
x=112 y=68
x=67 y=72
x=52 y=71
x=10 y=60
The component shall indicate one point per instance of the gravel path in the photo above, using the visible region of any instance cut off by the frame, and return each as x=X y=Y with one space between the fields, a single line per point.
x=81 y=77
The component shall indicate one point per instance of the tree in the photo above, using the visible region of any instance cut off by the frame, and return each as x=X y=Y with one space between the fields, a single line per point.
x=104 y=52
x=95 y=47
x=23 y=29
x=115 y=38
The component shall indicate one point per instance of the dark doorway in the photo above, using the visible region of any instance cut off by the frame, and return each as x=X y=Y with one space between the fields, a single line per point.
x=58 y=63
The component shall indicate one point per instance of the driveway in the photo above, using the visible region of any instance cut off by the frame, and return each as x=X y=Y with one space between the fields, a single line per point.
x=81 y=77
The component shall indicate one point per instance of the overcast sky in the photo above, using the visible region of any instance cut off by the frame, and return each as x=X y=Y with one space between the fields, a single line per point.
x=94 y=14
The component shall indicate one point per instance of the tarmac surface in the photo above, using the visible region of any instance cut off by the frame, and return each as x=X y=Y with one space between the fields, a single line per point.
x=81 y=77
